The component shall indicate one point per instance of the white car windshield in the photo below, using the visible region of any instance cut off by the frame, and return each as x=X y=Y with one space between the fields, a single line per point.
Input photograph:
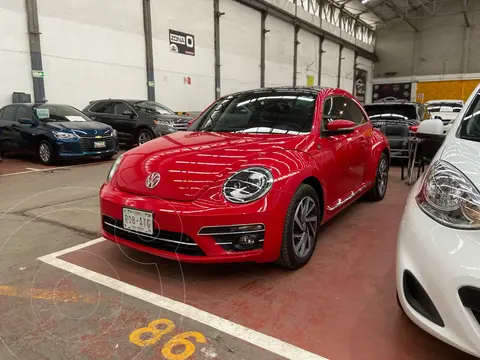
x=273 y=112
x=470 y=126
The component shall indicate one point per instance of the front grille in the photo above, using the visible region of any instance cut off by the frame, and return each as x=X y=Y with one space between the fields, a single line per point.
x=181 y=124
x=162 y=240
x=87 y=144
x=470 y=298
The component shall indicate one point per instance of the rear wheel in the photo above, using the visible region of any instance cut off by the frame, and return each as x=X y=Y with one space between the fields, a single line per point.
x=379 y=189
x=301 y=228
x=45 y=153
x=144 y=136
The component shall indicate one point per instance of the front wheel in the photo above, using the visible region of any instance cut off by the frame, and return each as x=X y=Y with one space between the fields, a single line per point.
x=301 y=228
x=144 y=136
x=379 y=189
x=45 y=153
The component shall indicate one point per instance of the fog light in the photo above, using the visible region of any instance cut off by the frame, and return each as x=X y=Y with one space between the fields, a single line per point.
x=245 y=242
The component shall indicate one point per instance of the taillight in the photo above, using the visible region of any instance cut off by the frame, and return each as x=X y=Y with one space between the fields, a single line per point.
x=413 y=128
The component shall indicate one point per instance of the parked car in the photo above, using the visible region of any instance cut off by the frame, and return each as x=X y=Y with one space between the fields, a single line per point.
x=445 y=110
x=397 y=120
x=253 y=180
x=438 y=273
x=137 y=121
x=53 y=132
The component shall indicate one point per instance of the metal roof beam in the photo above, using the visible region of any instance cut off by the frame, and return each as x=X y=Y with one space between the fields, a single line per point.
x=399 y=12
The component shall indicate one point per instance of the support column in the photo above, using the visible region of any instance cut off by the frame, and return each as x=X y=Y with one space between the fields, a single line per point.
x=264 y=31
x=35 y=51
x=216 y=33
x=340 y=48
x=295 y=55
x=355 y=59
x=465 y=49
x=320 y=55
x=147 y=24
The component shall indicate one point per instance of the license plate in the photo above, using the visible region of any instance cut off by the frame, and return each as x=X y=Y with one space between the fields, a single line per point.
x=138 y=221
x=99 y=144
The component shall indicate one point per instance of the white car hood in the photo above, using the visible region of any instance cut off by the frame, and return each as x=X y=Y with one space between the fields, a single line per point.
x=464 y=155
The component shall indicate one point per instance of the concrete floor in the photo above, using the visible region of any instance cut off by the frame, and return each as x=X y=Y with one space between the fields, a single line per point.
x=340 y=306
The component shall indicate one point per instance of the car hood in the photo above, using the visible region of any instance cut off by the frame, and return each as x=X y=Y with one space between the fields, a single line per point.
x=80 y=127
x=463 y=154
x=191 y=162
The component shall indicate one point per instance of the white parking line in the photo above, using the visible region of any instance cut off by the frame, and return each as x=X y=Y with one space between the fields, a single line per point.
x=241 y=332
x=32 y=170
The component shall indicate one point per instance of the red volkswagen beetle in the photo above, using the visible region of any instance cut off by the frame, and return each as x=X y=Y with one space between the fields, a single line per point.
x=253 y=180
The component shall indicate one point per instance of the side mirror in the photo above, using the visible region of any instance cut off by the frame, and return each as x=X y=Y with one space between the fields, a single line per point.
x=339 y=127
x=433 y=127
x=26 y=121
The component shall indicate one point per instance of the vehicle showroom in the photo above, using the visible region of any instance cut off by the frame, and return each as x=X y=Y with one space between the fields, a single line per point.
x=239 y=179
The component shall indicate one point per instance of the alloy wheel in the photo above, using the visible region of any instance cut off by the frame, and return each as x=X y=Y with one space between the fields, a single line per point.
x=44 y=152
x=382 y=176
x=143 y=137
x=304 y=227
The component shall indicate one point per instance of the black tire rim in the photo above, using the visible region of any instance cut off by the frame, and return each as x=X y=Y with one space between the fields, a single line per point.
x=144 y=137
x=382 y=176
x=304 y=228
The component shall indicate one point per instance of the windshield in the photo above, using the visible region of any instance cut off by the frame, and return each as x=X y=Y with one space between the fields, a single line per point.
x=59 y=113
x=392 y=111
x=152 y=107
x=470 y=126
x=265 y=112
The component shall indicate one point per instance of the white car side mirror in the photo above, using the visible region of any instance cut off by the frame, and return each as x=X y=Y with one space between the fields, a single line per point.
x=431 y=127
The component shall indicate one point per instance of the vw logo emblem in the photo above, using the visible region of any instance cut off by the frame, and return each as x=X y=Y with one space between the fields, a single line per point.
x=152 y=180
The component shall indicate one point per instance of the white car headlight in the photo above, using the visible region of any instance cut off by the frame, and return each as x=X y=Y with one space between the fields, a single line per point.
x=248 y=185
x=449 y=197
x=114 y=167
x=60 y=135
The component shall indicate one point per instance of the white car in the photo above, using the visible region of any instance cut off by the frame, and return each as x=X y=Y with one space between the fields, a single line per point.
x=438 y=252
x=445 y=110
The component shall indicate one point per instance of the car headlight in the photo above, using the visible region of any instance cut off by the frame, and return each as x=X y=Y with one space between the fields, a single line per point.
x=449 y=197
x=248 y=185
x=114 y=167
x=60 y=135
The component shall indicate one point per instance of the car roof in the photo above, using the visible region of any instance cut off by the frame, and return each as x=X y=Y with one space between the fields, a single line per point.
x=394 y=102
x=314 y=90
x=129 y=101
x=443 y=101
x=39 y=104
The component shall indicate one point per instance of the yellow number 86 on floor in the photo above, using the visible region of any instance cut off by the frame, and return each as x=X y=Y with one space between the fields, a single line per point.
x=179 y=340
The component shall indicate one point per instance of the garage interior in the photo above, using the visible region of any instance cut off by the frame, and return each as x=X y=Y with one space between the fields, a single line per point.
x=66 y=292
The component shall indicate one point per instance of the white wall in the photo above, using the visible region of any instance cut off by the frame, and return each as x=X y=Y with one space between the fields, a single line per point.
x=330 y=64
x=240 y=30
x=278 y=52
x=16 y=74
x=88 y=53
x=307 y=57
x=347 y=71
x=191 y=17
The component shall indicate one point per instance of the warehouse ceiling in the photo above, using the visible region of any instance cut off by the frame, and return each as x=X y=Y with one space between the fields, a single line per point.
x=383 y=12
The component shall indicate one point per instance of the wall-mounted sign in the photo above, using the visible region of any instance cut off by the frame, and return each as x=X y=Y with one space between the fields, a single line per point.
x=182 y=43
x=151 y=83
x=310 y=80
x=38 y=73
x=187 y=80
x=360 y=85
x=394 y=91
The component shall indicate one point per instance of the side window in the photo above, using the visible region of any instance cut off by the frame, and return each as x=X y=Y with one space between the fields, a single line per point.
x=9 y=113
x=105 y=107
x=24 y=112
x=120 y=107
x=343 y=108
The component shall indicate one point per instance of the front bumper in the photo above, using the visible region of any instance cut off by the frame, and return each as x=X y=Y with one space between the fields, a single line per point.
x=85 y=147
x=445 y=262
x=178 y=225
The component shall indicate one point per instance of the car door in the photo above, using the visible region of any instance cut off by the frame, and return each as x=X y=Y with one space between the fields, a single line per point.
x=7 y=131
x=332 y=154
x=24 y=134
x=125 y=121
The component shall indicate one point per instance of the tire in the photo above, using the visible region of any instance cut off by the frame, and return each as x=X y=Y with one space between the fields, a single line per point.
x=45 y=153
x=144 y=135
x=379 y=188
x=292 y=254
x=106 y=157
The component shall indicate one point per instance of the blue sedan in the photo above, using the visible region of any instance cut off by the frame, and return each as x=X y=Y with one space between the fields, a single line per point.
x=54 y=132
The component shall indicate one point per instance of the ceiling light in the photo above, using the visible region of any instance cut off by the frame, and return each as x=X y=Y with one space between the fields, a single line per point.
x=365 y=1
